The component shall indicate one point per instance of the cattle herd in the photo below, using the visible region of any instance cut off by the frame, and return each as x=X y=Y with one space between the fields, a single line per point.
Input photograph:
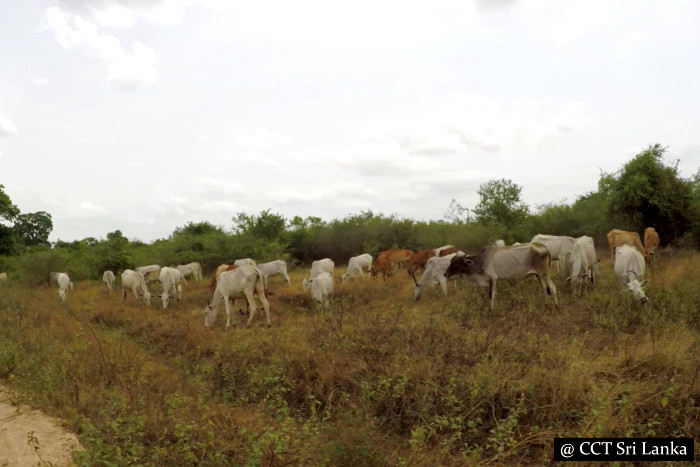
x=244 y=278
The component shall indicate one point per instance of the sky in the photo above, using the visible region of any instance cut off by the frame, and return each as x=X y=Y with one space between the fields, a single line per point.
x=144 y=115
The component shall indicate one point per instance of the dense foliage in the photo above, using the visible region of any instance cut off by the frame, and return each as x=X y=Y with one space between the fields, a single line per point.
x=646 y=191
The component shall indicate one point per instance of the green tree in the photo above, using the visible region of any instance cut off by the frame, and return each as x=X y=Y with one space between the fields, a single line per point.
x=500 y=203
x=266 y=226
x=8 y=211
x=34 y=228
x=647 y=192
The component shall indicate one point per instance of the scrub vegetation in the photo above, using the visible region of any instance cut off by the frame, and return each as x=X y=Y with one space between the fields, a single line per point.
x=379 y=379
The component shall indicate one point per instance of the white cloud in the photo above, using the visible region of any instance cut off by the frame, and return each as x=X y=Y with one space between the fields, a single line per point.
x=125 y=69
x=40 y=81
x=7 y=128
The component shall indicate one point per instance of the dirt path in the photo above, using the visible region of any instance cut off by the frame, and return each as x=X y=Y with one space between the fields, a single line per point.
x=23 y=429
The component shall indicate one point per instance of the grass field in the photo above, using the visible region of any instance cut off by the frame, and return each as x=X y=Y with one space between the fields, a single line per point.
x=379 y=380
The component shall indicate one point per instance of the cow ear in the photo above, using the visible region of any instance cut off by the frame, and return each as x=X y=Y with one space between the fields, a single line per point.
x=468 y=261
x=644 y=283
x=625 y=279
x=568 y=279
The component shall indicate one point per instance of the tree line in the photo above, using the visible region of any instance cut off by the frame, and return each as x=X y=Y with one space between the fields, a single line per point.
x=645 y=191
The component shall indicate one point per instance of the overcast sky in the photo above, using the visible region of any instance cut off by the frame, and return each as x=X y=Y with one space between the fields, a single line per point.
x=142 y=115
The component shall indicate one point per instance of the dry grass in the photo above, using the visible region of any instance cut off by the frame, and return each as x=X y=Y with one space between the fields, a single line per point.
x=380 y=379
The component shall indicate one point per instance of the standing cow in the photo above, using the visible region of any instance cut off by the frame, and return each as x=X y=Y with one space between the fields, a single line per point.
x=434 y=274
x=317 y=267
x=559 y=247
x=242 y=282
x=584 y=264
x=108 y=279
x=513 y=262
x=322 y=290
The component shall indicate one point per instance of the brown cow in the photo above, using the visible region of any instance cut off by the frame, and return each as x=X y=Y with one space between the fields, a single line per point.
x=382 y=266
x=418 y=260
x=622 y=237
x=651 y=242
x=400 y=257
x=449 y=251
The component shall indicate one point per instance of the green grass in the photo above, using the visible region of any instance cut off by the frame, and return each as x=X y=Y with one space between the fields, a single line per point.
x=378 y=380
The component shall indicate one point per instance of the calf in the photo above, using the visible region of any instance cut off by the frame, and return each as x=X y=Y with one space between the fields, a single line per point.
x=108 y=279
x=322 y=290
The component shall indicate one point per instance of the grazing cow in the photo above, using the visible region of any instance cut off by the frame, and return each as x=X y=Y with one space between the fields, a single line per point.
x=322 y=290
x=108 y=279
x=242 y=282
x=170 y=278
x=434 y=274
x=618 y=238
x=217 y=273
x=382 y=266
x=317 y=267
x=193 y=269
x=499 y=242
x=357 y=264
x=3 y=278
x=397 y=257
x=134 y=281
x=438 y=250
x=274 y=268
x=418 y=260
x=651 y=243
x=64 y=283
x=559 y=247
x=150 y=273
x=584 y=264
x=629 y=269
x=245 y=262
x=512 y=262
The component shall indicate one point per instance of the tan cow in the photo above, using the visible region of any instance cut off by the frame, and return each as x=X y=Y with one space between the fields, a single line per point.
x=418 y=261
x=651 y=243
x=618 y=237
x=397 y=257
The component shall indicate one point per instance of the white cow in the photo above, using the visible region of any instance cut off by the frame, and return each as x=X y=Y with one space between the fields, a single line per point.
x=559 y=247
x=108 y=279
x=64 y=283
x=134 y=281
x=239 y=283
x=3 y=278
x=245 y=262
x=434 y=274
x=584 y=264
x=170 y=278
x=322 y=290
x=438 y=250
x=274 y=268
x=193 y=269
x=317 y=267
x=629 y=268
x=150 y=272
x=499 y=242
x=357 y=264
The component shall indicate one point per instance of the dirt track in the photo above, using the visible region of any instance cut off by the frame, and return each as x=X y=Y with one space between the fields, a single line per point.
x=23 y=429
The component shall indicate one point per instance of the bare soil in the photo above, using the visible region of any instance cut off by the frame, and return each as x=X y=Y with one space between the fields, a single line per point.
x=29 y=437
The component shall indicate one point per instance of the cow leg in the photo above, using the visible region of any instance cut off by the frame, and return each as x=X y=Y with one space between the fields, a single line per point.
x=492 y=293
x=228 y=310
x=443 y=284
x=265 y=305
x=251 y=303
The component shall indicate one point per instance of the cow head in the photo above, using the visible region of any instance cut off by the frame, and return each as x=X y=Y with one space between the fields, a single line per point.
x=636 y=288
x=306 y=284
x=464 y=265
x=209 y=315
